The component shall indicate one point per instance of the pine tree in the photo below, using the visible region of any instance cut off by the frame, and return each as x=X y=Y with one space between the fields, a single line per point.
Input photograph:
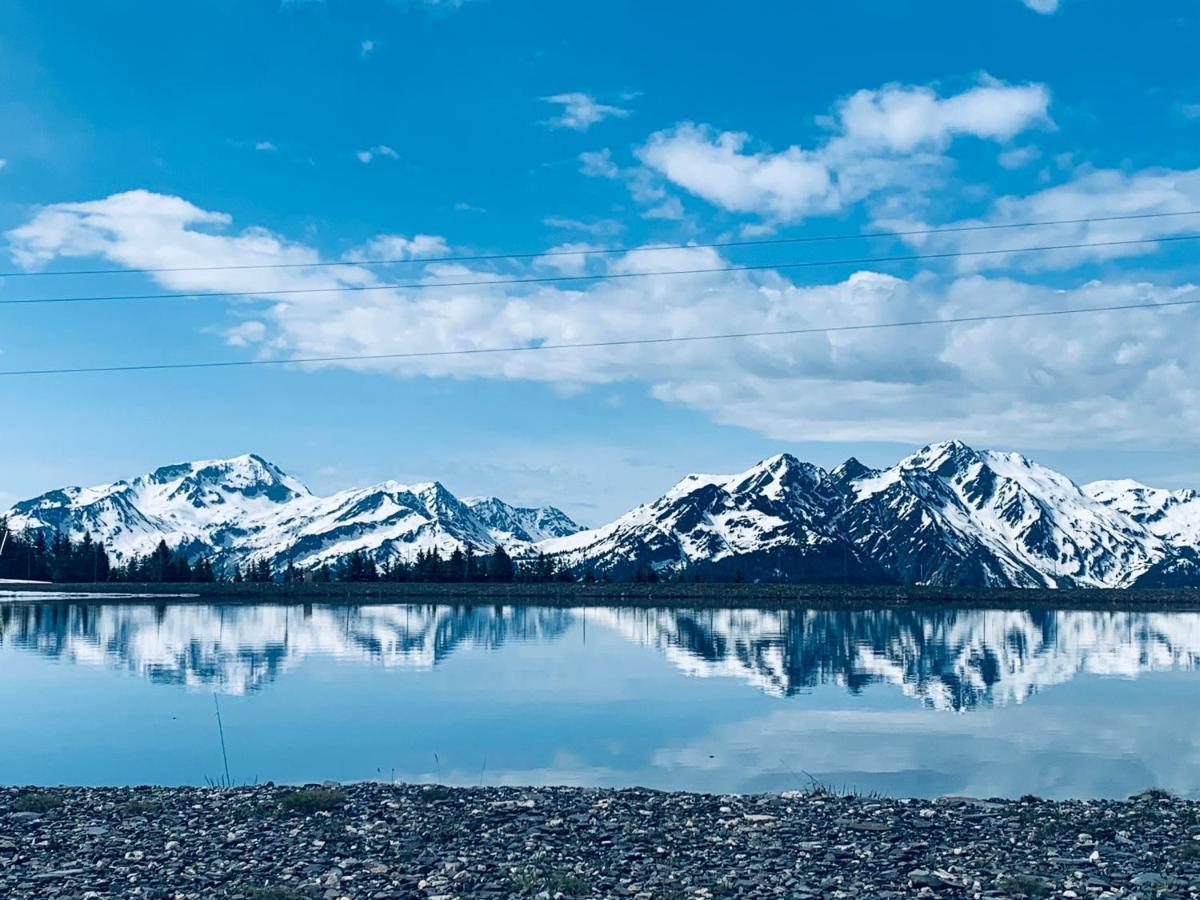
x=501 y=568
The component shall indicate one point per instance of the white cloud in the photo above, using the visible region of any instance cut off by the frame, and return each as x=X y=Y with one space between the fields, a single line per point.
x=715 y=168
x=1018 y=157
x=397 y=246
x=365 y=156
x=581 y=111
x=1110 y=378
x=598 y=227
x=1190 y=110
x=883 y=140
x=1045 y=7
x=265 y=146
x=246 y=334
x=366 y=48
x=1089 y=195
x=903 y=118
x=598 y=164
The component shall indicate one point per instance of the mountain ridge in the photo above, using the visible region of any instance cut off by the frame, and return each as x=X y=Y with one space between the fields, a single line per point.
x=947 y=515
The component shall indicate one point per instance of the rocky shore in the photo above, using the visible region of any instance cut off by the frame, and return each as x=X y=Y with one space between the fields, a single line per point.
x=382 y=841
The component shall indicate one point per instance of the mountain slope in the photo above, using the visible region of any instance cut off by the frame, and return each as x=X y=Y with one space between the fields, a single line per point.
x=509 y=524
x=767 y=522
x=1172 y=515
x=952 y=515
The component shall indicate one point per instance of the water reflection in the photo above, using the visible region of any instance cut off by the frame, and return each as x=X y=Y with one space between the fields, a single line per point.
x=945 y=659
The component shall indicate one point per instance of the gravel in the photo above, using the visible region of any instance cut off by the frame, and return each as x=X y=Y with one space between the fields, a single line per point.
x=384 y=841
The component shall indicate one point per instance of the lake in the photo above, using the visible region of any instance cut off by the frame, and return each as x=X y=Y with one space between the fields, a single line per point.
x=904 y=702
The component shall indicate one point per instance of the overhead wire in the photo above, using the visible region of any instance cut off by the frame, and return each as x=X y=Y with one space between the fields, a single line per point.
x=593 y=251
x=596 y=277
x=587 y=345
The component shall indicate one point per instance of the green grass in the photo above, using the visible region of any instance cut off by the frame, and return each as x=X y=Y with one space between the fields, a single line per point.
x=1023 y=886
x=531 y=882
x=307 y=801
x=35 y=802
x=139 y=808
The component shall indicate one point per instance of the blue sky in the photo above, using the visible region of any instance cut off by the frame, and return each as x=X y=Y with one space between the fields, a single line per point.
x=140 y=134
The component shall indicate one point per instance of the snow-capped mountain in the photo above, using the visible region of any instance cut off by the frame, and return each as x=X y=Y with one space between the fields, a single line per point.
x=767 y=522
x=197 y=508
x=248 y=509
x=520 y=524
x=1172 y=515
x=949 y=514
x=945 y=515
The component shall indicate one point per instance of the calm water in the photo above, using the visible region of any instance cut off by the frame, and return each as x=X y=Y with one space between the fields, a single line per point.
x=906 y=702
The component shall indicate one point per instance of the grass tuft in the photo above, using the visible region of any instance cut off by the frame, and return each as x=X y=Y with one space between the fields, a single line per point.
x=1023 y=886
x=307 y=801
x=1155 y=793
x=36 y=802
x=1189 y=851
x=272 y=892
x=530 y=882
x=435 y=793
x=139 y=808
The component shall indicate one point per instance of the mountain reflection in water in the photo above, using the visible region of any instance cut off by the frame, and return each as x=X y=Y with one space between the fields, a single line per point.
x=946 y=659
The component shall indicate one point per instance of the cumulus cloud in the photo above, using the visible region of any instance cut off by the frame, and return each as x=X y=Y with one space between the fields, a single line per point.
x=903 y=118
x=1108 y=378
x=581 y=111
x=882 y=140
x=1089 y=195
x=599 y=164
x=716 y=168
x=1019 y=157
x=245 y=334
x=365 y=156
x=265 y=146
x=398 y=247
x=1045 y=7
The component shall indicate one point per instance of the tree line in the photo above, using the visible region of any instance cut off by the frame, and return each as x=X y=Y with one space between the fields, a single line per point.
x=33 y=557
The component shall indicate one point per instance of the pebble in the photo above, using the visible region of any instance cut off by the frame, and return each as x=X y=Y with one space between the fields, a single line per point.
x=392 y=842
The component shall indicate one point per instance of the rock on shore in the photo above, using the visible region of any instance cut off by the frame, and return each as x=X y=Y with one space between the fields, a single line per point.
x=382 y=841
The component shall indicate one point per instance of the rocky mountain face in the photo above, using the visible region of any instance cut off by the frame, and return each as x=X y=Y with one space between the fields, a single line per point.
x=946 y=515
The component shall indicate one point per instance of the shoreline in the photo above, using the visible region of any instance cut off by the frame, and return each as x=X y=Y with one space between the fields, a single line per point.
x=625 y=594
x=372 y=840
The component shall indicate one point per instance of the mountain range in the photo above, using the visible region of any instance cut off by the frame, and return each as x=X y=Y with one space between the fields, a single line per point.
x=945 y=515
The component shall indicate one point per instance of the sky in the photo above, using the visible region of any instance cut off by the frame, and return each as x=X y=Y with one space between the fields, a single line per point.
x=224 y=135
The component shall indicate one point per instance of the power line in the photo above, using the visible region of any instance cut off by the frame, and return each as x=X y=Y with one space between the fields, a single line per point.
x=589 y=345
x=593 y=251
x=603 y=276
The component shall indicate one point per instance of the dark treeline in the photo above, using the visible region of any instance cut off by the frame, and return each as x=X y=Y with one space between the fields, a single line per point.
x=32 y=557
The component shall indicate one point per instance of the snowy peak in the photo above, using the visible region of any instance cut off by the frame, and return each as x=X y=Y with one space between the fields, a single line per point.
x=969 y=515
x=508 y=524
x=1173 y=516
